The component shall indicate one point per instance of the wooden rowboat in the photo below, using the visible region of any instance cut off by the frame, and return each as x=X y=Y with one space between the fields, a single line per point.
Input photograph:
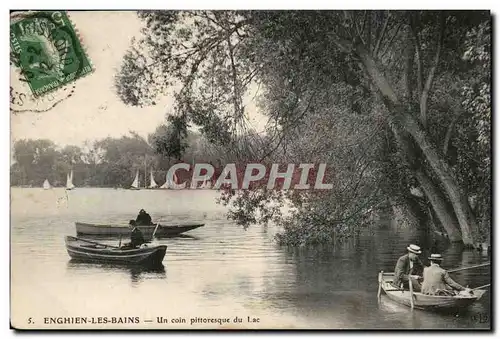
x=90 y=251
x=117 y=230
x=424 y=301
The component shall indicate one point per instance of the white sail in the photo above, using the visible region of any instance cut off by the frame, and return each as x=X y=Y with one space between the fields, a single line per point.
x=152 y=183
x=135 y=184
x=46 y=185
x=206 y=184
x=69 y=181
x=168 y=183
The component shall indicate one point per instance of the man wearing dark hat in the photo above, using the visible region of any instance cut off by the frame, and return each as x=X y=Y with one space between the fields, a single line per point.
x=408 y=267
x=143 y=218
x=437 y=281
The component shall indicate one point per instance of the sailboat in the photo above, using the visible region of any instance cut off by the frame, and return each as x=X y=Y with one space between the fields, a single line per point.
x=135 y=184
x=46 y=185
x=152 y=183
x=69 y=181
x=168 y=183
x=207 y=184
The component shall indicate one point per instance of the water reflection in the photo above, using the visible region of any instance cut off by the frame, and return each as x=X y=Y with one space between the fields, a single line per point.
x=456 y=318
x=219 y=269
x=340 y=283
x=137 y=274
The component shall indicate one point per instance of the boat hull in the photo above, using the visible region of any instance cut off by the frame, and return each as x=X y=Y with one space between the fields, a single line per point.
x=124 y=230
x=93 y=252
x=426 y=302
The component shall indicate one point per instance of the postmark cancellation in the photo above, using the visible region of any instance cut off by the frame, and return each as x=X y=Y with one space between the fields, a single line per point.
x=46 y=51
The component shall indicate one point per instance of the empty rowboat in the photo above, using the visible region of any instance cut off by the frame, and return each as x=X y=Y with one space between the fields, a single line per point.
x=147 y=231
x=85 y=250
x=424 y=301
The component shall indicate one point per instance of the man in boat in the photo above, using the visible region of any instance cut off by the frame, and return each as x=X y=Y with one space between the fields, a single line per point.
x=143 y=218
x=437 y=281
x=136 y=236
x=408 y=267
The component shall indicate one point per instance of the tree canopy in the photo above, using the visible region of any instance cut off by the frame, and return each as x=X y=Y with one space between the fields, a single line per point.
x=397 y=101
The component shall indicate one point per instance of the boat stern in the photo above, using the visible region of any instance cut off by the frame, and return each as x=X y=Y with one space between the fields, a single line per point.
x=156 y=257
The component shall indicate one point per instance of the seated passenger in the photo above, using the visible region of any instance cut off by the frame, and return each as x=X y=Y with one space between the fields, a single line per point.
x=143 y=218
x=438 y=282
x=408 y=267
x=136 y=237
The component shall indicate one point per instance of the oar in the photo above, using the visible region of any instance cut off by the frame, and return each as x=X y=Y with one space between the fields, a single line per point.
x=380 y=275
x=93 y=242
x=411 y=292
x=480 y=287
x=467 y=268
x=154 y=232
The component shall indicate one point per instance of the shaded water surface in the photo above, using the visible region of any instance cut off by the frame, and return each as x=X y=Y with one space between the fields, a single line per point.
x=217 y=271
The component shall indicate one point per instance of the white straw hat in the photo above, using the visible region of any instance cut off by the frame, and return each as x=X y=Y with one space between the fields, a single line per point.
x=414 y=249
x=435 y=257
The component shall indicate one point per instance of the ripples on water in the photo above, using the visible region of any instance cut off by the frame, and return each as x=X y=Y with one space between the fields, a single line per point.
x=219 y=270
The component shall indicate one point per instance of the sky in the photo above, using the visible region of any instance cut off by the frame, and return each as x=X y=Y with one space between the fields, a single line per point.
x=95 y=111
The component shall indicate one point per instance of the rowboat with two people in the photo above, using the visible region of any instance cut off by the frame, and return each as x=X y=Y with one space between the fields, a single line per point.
x=437 y=291
x=90 y=251
x=422 y=301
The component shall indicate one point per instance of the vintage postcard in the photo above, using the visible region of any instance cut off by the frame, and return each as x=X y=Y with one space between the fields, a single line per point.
x=202 y=169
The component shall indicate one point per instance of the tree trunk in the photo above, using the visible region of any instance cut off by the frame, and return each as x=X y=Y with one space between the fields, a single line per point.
x=444 y=174
x=446 y=216
x=440 y=206
x=458 y=200
x=409 y=53
x=449 y=131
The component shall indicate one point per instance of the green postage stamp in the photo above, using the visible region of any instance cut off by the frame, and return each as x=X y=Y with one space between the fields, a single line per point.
x=47 y=50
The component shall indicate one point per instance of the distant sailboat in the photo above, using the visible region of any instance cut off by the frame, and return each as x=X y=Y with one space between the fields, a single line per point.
x=152 y=183
x=135 y=184
x=168 y=183
x=46 y=185
x=69 y=181
x=207 y=184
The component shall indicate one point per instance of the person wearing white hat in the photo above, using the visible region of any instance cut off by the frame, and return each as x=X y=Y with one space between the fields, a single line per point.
x=408 y=267
x=437 y=281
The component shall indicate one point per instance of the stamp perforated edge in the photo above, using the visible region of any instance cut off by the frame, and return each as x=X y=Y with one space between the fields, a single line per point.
x=16 y=16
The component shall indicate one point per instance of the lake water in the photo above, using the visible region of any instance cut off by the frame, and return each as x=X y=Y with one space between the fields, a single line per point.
x=218 y=271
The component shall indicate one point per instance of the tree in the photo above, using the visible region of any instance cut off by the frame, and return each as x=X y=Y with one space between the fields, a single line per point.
x=383 y=64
